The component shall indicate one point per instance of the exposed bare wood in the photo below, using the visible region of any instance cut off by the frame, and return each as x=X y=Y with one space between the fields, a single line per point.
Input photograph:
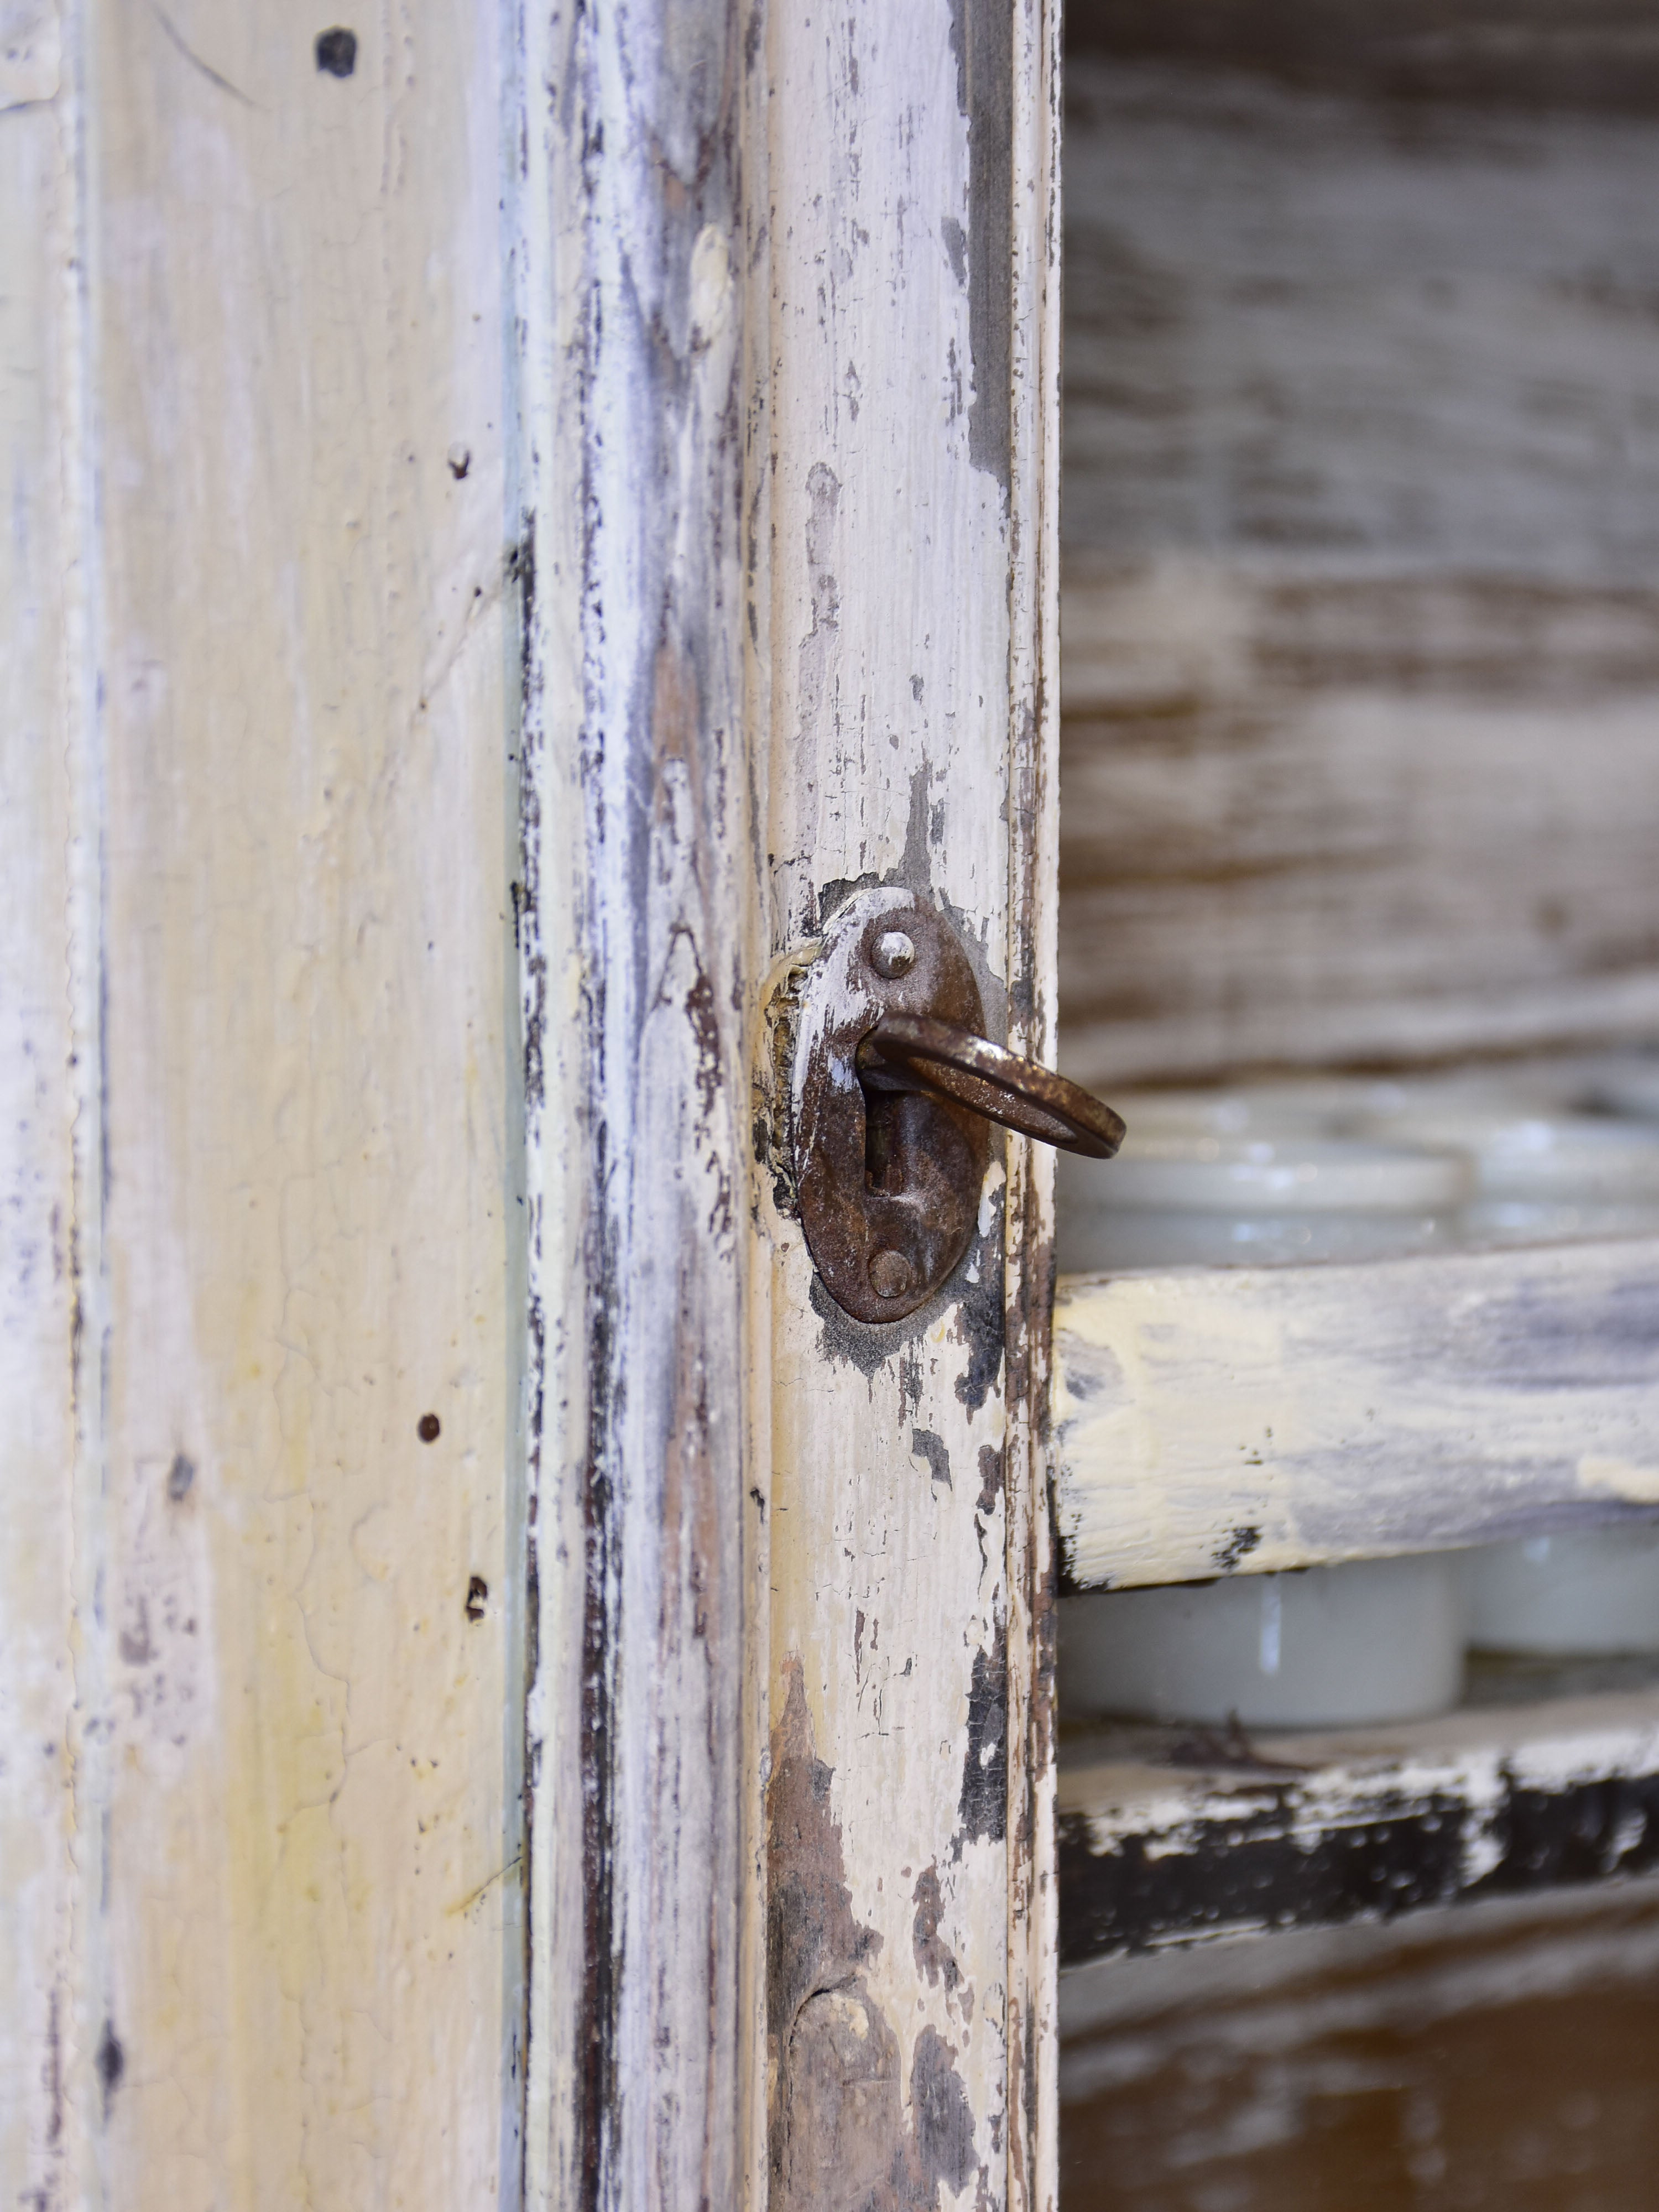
x=1598 y=56
x=1267 y=1419
x=1492 y=2052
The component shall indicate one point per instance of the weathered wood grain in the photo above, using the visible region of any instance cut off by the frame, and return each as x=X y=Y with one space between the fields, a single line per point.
x=1362 y=650
x=282 y=1019
x=1271 y=1418
x=1499 y=2053
x=1365 y=1825
x=639 y=958
x=1600 y=57
x=45 y=2100
x=910 y=494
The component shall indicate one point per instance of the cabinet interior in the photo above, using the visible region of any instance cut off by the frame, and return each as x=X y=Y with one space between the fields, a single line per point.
x=1360 y=770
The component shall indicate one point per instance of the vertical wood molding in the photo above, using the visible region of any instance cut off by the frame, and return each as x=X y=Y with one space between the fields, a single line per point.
x=637 y=945
x=1034 y=686
x=48 y=1235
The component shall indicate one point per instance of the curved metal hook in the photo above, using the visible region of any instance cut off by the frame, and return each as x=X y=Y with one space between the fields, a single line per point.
x=917 y=1052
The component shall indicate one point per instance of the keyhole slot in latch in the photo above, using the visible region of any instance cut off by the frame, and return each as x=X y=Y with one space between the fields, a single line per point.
x=895 y=1089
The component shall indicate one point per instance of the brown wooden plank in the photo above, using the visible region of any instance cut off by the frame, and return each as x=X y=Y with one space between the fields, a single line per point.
x=1493 y=2056
x=1361 y=645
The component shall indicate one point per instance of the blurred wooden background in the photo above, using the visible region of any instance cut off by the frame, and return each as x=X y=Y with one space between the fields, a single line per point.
x=1361 y=513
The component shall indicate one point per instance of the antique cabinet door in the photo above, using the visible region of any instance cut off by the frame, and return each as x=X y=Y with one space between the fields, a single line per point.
x=515 y=515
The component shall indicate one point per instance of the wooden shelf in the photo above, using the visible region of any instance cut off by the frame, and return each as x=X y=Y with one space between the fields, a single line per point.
x=1175 y=1837
x=1261 y=1419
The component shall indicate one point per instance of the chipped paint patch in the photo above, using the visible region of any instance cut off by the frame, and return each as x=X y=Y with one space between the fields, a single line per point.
x=1619 y=1478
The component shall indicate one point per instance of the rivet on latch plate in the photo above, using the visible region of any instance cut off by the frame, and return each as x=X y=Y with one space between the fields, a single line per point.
x=893 y=1089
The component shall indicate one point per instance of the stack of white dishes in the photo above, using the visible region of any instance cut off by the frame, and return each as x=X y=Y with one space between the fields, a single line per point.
x=1546 y=1175
x=1539 y=1177
x=1357 y=1168
x=1249 y=1178
x=1175 y=1198
x=1376 y=1640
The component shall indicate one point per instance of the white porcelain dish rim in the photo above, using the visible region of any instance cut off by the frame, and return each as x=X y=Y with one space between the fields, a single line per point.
x=1524 y=1155
x=1180 y=1174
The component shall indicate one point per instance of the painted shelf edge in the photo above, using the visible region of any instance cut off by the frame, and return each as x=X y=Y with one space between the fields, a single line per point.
x=1320 y=1830
x=1236 y=1420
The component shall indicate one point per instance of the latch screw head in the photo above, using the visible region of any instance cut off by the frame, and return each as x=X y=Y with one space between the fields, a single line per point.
x=890 y=1274
x=893 y=954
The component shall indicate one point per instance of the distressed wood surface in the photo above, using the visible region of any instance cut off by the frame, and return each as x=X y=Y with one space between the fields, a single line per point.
x=637 y=957
x=1363 y=1824
x=255 y=829
x=908 y=503
x=784 y=1949
x=354 y=435
x=1361 y=642
x=1254 y=1420
x=45 y=2102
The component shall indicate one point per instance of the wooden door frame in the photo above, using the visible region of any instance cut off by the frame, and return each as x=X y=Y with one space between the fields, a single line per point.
x=670 y=236
x=515 y=514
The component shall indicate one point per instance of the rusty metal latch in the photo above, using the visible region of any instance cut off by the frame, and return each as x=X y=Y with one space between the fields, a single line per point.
x=894 y=1088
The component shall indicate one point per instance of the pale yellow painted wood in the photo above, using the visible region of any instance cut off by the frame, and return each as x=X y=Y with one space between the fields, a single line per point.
x=295 y=1844
x=1224 y=1420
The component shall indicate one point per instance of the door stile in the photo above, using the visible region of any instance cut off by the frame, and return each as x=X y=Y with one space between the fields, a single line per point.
x=635 y=951
x=786 y=421
x=913 y=432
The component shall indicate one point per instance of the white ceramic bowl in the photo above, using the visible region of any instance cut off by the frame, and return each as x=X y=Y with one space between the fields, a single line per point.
x=1310 y=1106
x=1372 y=1640
x=1173 y=1198
x=1540 y=1177
x=1594 y=1591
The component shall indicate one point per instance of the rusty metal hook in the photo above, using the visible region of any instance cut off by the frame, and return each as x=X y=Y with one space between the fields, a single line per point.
x=891 y=1095
x=940 y=1059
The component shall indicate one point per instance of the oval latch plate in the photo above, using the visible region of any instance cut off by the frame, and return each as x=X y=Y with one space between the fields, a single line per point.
x=888 y=1180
